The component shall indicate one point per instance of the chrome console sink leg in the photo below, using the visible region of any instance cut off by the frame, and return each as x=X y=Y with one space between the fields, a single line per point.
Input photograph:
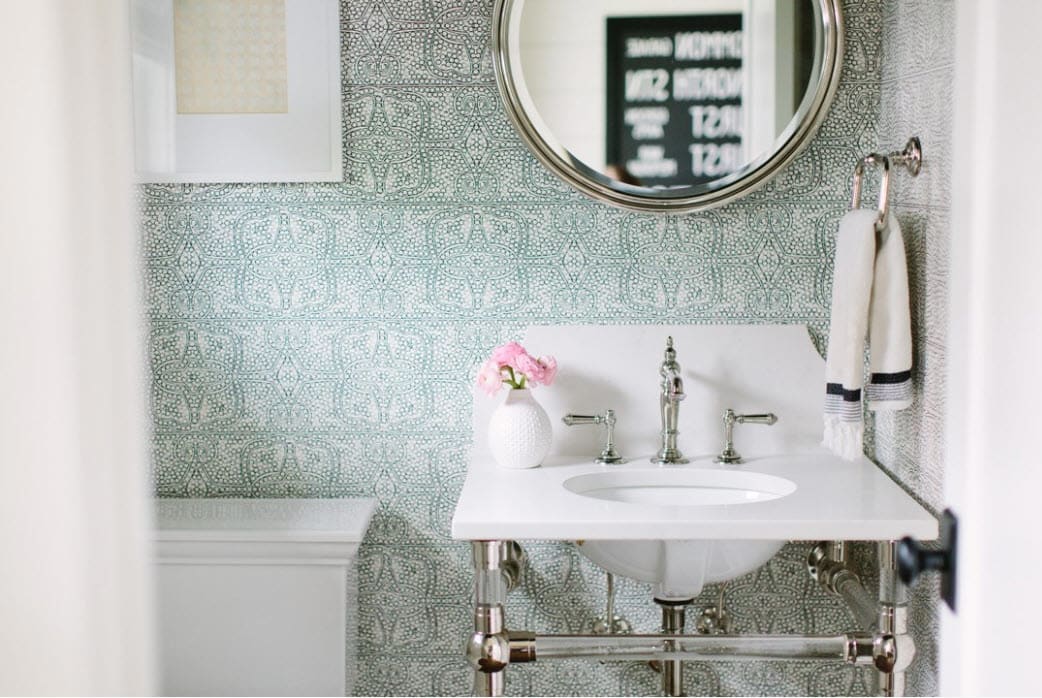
x=490 y=684
x=897 y=646
x=497 y=566
x=892 y=646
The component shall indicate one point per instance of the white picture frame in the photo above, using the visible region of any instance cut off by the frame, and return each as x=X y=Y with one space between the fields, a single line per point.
x=304 y=144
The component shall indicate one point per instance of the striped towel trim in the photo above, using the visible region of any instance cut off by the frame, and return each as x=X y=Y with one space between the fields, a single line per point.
x=889 y=390
x=842 y=403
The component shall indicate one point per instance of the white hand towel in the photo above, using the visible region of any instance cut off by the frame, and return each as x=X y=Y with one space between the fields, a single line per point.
x=869 y=292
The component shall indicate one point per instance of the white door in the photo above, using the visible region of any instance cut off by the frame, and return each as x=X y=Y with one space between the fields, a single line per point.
x=994 y=466
x=75 y=594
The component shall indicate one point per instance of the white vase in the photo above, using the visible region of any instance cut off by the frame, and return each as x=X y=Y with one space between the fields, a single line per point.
x=519 y=431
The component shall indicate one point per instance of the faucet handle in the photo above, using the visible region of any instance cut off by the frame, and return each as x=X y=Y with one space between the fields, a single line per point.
x=729 y=454
x=609 y=455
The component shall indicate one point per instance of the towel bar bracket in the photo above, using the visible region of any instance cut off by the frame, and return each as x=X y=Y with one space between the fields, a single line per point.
x=911 y=158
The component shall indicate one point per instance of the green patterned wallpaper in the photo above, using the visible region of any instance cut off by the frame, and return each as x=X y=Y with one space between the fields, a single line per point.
x=319 y=340
x=918 y=72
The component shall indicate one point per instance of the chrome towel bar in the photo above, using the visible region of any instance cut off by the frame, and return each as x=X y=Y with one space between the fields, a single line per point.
x=911 y=158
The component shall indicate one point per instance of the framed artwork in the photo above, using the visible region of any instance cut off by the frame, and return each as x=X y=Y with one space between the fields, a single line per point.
x=231 y=91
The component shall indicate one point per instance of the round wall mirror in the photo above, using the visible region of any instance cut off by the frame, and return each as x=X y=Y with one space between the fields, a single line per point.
x=667 y=105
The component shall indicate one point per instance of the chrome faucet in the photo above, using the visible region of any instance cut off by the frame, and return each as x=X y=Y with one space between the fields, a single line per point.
x=669 y=407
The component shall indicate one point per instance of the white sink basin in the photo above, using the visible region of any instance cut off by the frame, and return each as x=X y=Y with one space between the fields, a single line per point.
x=680 y=487
x=680 y=568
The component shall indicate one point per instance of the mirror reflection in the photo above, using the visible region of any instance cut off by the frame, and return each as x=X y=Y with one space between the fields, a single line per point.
x=667 y=94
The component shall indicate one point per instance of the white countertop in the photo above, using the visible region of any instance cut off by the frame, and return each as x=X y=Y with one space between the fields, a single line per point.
x=834 y=500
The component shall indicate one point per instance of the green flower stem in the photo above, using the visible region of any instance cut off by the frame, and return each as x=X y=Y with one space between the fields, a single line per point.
x=512 y=380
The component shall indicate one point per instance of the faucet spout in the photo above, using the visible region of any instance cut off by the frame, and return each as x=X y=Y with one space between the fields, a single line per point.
x=672 y=392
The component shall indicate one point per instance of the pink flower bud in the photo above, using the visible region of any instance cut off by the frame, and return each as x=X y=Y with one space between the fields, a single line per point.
x=490 y=379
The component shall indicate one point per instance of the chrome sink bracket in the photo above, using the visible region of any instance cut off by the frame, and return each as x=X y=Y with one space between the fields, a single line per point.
x=893 y=647
x=497 y=570
x=729 y=454
x=672 y=392
x=609 y=456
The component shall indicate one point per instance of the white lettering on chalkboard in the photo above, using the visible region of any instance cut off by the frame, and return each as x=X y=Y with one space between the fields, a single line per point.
x=655 y=46
x=708 y=121
x=651 y=162
x=713 y=160
x=647 y=122
x=705 y=83
x=650 y=152
x=701 y=46
x=647 y=85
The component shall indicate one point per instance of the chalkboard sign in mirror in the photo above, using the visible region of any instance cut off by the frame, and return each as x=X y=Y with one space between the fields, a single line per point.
x=667 y=104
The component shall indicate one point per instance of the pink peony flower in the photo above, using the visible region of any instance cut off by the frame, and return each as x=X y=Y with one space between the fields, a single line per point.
x=507 y=354
x=549 y=369
x=511 y=365
x=530 y=367
x=489 y=377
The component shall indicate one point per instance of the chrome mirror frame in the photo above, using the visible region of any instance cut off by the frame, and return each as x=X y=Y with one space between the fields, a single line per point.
x=557 y=159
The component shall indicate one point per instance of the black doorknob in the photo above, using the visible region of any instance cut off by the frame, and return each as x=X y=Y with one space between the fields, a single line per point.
x=913 y=558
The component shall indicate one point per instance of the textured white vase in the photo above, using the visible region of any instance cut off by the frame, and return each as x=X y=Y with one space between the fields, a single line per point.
x=519 y=431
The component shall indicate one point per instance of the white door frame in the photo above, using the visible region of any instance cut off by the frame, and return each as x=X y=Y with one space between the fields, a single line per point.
x=993 y=474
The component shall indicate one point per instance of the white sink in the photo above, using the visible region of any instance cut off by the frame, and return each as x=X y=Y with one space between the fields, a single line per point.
x=679 y=569
x=680 y=527
x=680 y=487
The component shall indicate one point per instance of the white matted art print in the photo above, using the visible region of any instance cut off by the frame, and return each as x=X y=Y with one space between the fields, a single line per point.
x=232 y=91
